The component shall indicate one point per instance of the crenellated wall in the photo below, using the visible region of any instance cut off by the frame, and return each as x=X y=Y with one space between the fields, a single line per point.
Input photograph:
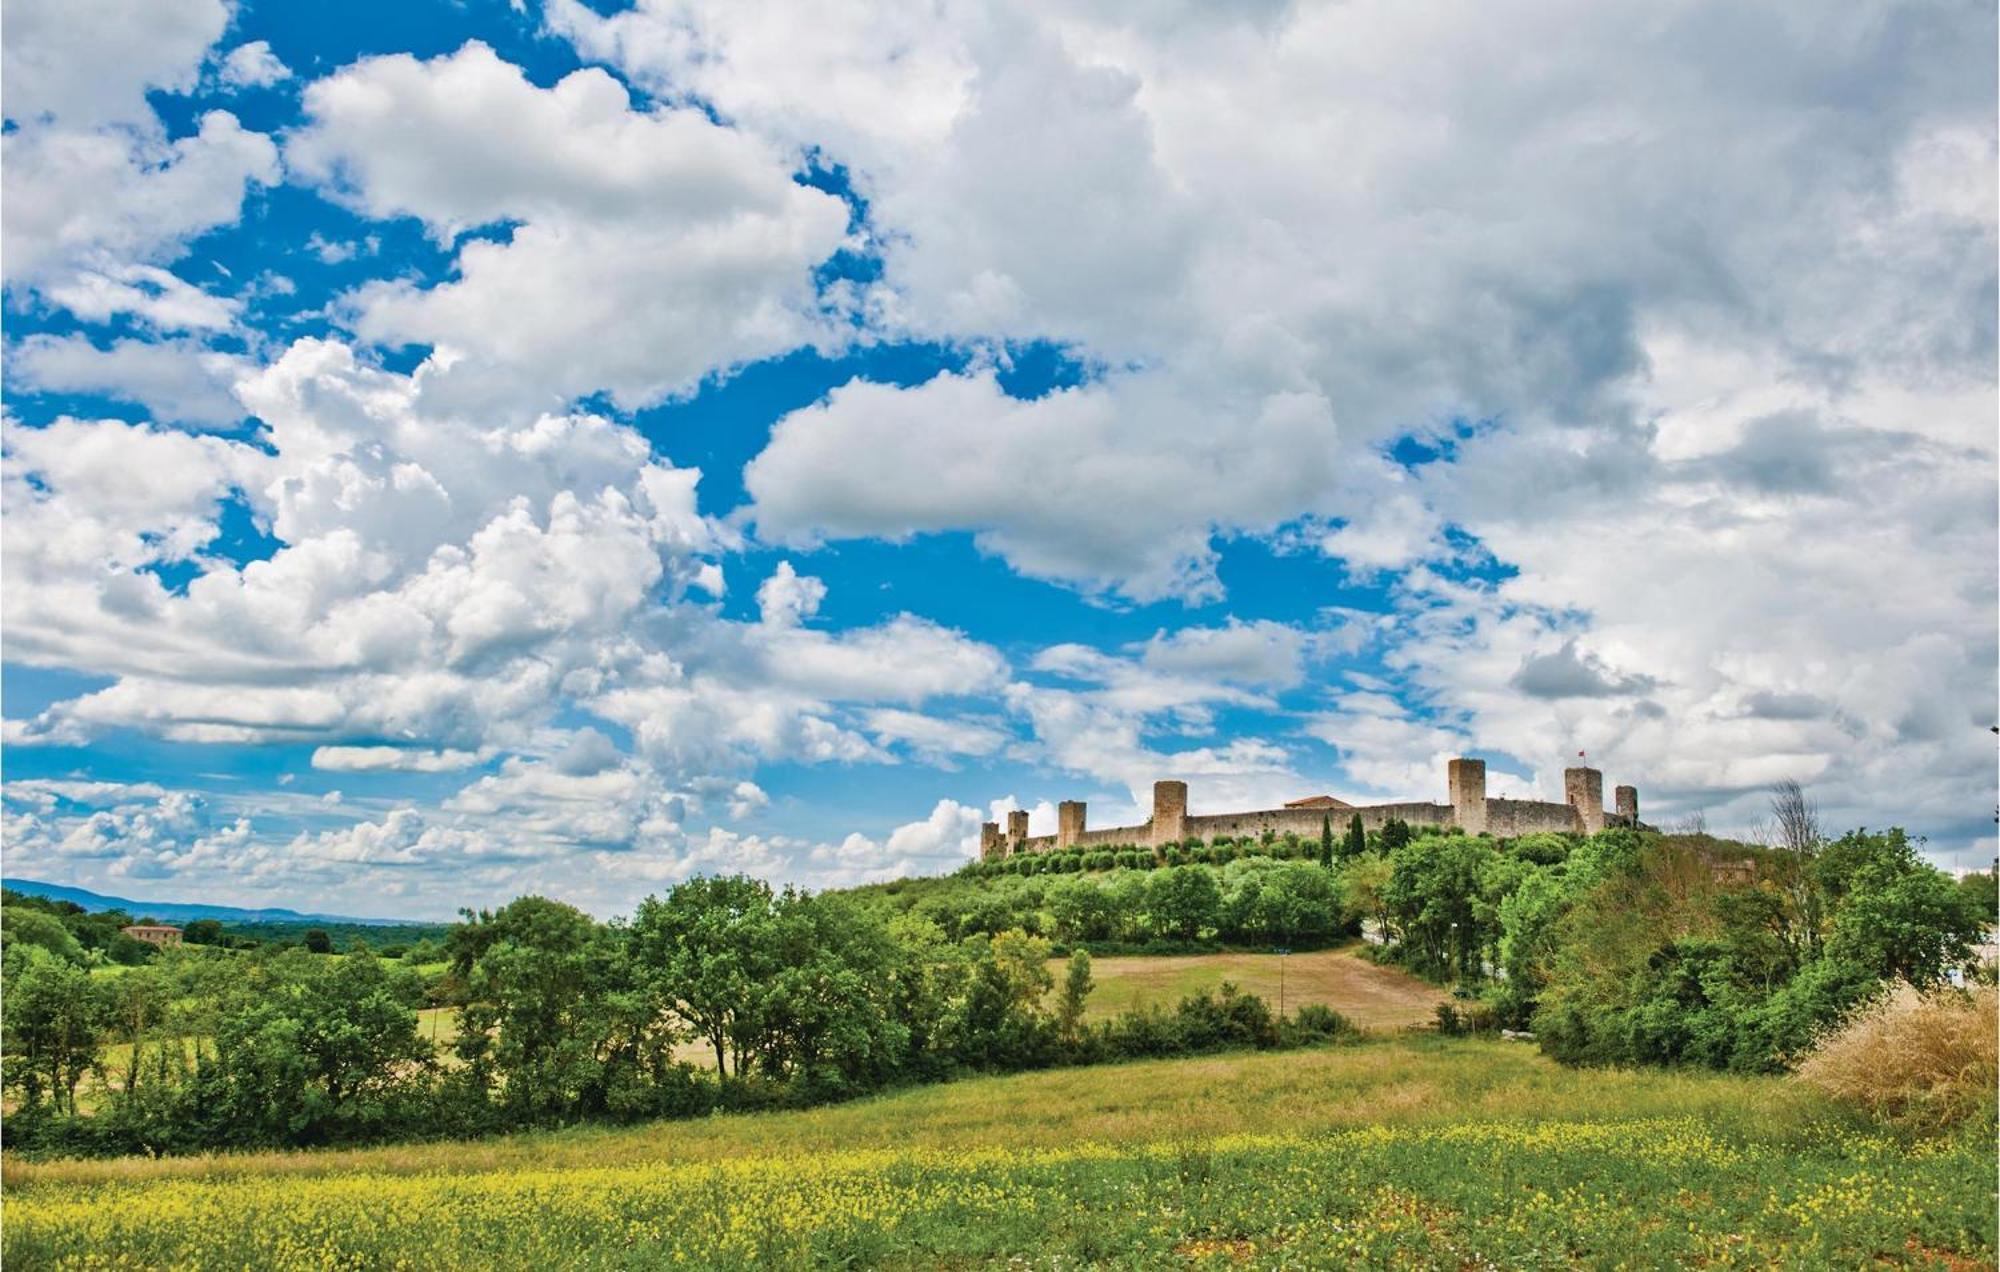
x=1470 y=811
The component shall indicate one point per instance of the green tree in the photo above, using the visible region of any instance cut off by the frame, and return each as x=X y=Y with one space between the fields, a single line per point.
x=1082 y=911
x=828 y=1008
x=1980 y=890
x=1434 y=894
x=20 y=925
x=1356 y=842
x=318 y=941
x=704 y=952
x=1183 y=901
x=1895 y=915
x=311 y=1050
x=546 y=1010
x=1326 y=839
x=999 y=1021
x=53 y=1026
x=1364 y=881
x=1075 y=994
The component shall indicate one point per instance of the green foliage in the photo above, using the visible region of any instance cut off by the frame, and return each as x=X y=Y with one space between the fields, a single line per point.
x=1075 y=995
x=38 y=928
x=52 y=1025
x=1979 y=892
x=551 y=1008
x=1184 y=901
x=1644 y=955
x=700 y=953
x=1356 y=842
x=1433 y=897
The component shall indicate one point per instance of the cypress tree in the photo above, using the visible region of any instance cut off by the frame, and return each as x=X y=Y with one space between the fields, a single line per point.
x=1357 y=839
x=1325 y=839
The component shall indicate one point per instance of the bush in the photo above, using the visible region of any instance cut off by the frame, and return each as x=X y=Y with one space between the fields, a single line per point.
x=1231 y=1018
x=1925 y=1061
x=1467 y=1019
x=1317 y=1022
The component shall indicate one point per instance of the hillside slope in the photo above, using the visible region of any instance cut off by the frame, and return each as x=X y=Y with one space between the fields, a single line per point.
x=183 y=911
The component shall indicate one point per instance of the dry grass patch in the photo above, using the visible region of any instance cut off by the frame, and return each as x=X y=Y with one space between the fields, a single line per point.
x=1927 y=1061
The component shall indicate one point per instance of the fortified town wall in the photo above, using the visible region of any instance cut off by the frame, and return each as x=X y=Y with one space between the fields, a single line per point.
x=1469 y=810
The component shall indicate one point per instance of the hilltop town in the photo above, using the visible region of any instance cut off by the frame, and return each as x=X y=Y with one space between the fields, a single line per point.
x=1469 y=811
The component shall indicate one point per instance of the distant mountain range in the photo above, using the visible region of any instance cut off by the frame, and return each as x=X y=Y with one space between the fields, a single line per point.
x=181 y=912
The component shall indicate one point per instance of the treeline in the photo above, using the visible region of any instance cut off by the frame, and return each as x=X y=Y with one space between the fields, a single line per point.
x=1333 y=842
x=1642 y=949
x=70 y=932
x=791 y=998
x=1250 y=901
x=95 y=938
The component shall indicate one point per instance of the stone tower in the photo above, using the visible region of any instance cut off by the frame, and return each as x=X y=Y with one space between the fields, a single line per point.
x=1466 y=782
x=1069 y=822
x=1627 y=800
x=1583 y=791
x=1169 y=811
x=1017 y=829
x=989 y=842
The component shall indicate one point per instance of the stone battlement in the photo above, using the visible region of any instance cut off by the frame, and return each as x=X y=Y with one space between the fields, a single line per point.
x=1469 y=810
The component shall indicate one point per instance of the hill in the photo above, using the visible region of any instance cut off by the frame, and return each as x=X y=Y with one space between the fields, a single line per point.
x=182 y=911
x=1413 y=1152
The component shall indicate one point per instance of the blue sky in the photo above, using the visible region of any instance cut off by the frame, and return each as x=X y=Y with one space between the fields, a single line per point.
x=1277 y=399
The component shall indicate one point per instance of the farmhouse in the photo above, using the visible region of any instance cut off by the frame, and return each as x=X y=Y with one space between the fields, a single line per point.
x=1469 y=810
x=153 y=933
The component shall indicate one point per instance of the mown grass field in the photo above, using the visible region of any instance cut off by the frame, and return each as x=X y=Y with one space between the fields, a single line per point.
x=1370 y=995
x=1411 y=1152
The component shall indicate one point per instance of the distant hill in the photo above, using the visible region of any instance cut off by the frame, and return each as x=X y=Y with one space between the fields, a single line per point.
x=181 y=911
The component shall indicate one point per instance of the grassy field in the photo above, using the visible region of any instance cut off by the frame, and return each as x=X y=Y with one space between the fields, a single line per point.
x=1372 y=996
x=1407 y=1152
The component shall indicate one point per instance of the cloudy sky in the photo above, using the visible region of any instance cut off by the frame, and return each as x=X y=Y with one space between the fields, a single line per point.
x=457 y=449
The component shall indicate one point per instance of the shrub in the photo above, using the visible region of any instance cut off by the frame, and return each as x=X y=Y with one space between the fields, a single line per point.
x=1230 y=1018
x=1926 y=1061
x=1317 y=1022
x=1465 y=1019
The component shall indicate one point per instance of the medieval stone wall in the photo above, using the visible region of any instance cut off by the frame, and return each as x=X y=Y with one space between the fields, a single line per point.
x=1116 y=837
x=1508 y=817
x=1469 y=811
x=1306 y=822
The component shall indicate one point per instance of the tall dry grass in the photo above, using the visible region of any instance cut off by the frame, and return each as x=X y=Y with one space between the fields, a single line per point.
x=1926 y=1061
